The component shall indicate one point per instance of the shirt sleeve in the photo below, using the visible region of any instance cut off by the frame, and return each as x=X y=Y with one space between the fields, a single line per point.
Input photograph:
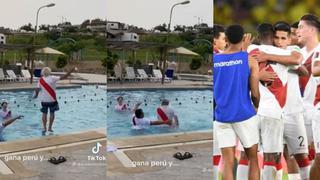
x=55 y=78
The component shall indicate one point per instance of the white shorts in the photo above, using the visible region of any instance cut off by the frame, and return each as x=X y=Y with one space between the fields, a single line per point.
x=271 y=133
x=309 y=116
x=228 y=133
x=316 y=132
x=295 y=135
x=216 y=149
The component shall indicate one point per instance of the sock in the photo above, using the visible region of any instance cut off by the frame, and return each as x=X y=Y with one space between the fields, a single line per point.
x=269 y=171
x=242 y=170
x=294 y=176
x=312 y=154
x=304 y=168
x=216 y=161
x=279 y=171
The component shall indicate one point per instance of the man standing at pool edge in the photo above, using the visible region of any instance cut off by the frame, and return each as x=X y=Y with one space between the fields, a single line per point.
x=235 y=76
x=47 y=88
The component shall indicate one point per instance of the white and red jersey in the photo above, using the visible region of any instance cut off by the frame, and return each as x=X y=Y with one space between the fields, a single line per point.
x=294 y=103
x=308 y=84
x=48 y=88
x=272 y=96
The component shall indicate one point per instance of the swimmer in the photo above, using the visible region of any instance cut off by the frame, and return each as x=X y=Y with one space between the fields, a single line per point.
x=6 y=122
x=140 y=122
x=167 y=114
x=5 y=113
x=121 y=106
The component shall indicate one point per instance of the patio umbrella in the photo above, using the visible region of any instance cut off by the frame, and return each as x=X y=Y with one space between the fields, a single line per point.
x=48 y=51
x=182 y=51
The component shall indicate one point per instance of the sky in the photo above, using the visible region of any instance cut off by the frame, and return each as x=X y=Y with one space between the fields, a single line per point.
x=16 y=13
x=150 y=13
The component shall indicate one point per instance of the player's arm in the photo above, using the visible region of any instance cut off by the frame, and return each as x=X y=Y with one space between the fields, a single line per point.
x=254 y=81
x=301 y=71
x=68 y=74
x=316 y=69
x=295 y=58
x=9 y=121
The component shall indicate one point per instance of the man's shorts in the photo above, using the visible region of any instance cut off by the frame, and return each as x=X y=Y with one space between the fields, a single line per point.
x=228 y=133
x=295 y=134
x=53 y=106
x=216 y=149
x=309 y=116
x=271 y=134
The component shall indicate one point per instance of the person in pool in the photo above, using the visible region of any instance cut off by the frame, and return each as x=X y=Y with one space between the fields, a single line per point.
x=140 y=122
x=121 y=106
x=5 y=113
x=6 y=118
x=166 y=114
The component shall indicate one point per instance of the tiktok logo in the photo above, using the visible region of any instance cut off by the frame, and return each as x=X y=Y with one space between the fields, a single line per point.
x=96 y=148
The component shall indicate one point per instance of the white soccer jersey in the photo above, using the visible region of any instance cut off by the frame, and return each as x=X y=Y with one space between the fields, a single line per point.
x=294 y=100
x=308 y=84
x=273 y=97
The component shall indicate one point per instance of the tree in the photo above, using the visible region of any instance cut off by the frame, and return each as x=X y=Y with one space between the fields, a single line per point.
x=179 y=28
x=61 y=62
x=110 y=61
x=195 y=63
x=161 y=28
x=27 y=27
x=44 y=27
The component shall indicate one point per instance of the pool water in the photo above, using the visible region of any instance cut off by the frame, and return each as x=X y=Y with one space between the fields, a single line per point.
x=80 y=109
x=193 y=107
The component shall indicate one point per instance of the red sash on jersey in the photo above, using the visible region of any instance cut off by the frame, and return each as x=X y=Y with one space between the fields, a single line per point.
x=48 y=88
x=162 y=115
x=216 y=51
x=277 y=88
x=303 y=80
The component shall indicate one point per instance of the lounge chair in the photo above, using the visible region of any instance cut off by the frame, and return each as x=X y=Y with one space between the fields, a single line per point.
x=26 y=74
x=158 y=75
x=130 y=75
x=15 y=77
x=143 y=75
x=117 y=73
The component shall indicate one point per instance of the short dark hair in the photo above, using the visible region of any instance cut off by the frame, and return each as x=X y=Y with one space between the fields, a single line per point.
x=282 y=26
x=165 y=102
x=311 y=20
x=234 y=33
x=265 y=30
x=295 y=24
x=139 y=113
x=217 y=29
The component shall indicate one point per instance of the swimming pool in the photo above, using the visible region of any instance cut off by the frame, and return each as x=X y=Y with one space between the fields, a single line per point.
x=80 y=109
x=194 y=109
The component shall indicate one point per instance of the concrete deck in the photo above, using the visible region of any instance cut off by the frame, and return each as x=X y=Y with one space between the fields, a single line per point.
x=137 y=158
x=75 y=147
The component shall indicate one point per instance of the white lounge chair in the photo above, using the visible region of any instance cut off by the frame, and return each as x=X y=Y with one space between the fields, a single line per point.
x=26 y=74
x=158 y=75
x=117 y=73
x=15 y=77
x=130 y=75
x=143 y=75
x=5 y=77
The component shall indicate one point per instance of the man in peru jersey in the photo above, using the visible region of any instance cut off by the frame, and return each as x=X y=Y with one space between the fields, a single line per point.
x=307 y=32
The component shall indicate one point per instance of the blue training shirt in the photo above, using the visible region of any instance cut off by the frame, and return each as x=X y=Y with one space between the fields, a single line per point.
x=231 y=87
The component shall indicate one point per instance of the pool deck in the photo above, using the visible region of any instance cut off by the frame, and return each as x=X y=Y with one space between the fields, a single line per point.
x=151 y=157
x=75 y=147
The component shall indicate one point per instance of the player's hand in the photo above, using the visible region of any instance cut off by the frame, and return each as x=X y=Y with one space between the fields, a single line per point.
x=262 y=56
x=246 y=41
x=20 y=116
x=267 y=76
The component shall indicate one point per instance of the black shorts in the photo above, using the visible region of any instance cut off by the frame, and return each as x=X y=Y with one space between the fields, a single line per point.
x=53 y=106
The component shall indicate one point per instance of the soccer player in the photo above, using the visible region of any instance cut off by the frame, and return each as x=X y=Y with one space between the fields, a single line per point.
x=295 y=134
x=308 y=30
x=219 y=44
x=273 y=98
x=219 y=39
x=235 y=79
